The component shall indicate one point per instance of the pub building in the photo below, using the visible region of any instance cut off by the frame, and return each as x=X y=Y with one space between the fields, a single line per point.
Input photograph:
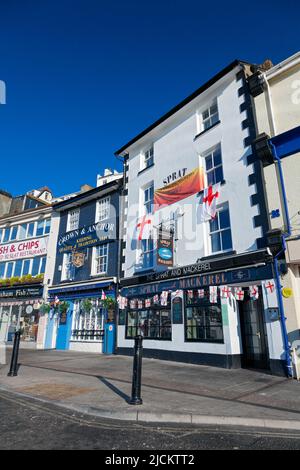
x=208 y=294
x=24 y=232
x=86 y=267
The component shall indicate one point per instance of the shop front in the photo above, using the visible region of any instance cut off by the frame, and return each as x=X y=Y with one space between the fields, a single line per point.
x=221 y=313
x=78 y=316
x=19 y=309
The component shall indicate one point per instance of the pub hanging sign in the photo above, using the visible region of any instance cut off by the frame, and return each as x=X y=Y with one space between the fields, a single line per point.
x=165 y=250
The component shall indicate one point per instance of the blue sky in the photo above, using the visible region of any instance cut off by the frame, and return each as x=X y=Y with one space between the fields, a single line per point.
x=85 y=76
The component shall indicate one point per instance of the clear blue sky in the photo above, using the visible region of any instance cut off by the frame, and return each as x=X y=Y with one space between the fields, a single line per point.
x=85 y=76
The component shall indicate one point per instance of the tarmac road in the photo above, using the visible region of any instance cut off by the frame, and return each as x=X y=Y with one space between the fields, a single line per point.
x=30 y=424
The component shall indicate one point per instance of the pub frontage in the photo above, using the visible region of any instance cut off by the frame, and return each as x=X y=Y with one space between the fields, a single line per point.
x=19 y=309
x=220 y=313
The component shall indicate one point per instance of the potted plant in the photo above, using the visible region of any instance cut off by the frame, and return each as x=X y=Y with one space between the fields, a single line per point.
x=109 y=304
x=45 y=308
x=63 y=306
x=86 y=305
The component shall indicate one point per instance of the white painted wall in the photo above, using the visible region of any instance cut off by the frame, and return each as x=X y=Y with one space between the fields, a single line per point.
x=174 y=149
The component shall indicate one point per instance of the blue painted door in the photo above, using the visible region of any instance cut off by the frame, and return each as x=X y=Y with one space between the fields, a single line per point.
x=64 y=329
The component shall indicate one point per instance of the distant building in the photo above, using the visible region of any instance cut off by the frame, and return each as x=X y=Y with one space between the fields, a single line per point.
x=276 y=94
x=25 y=225
x=84 y=265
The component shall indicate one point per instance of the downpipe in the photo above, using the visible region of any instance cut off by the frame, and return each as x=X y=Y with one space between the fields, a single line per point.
x=287 y=233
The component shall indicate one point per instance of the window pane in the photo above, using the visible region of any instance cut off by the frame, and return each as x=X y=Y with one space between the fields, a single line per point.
x=43 y=265
x=218 y=174
x=18 y=268
x=26 y=267
x=205 y=114
x=22 y=231
x=214 y=119
x=214 y=109
x=217 y=157
x=226 y=240
x=35 y=266
x=40 y=228
x=214 y=224
x=211 y=178
x=30 y=231
x=2 y=270
x=215 y=242
x=209 y=162
x=47 y=225
x=9 y=269
x=6 y=235
x=224 y=219
x=14 y=232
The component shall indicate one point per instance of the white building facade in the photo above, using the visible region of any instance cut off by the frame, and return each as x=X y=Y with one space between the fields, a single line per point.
x=276 y=94
x=177 y=294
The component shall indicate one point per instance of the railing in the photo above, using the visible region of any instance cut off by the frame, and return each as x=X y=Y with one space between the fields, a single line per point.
x=87 y=335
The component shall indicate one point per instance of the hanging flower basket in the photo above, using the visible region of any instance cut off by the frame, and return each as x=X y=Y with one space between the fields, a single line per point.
x=45 y=308
x=63 y=306
x=110 y=305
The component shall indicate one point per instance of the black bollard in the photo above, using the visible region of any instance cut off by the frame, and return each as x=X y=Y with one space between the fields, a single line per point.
x=137 y=372
x=13 y=371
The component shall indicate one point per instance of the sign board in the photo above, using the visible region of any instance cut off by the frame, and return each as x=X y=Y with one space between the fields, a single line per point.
x=21 y=292
x=86 y=236
x=78 y=259
x=24 y=249
x=165 y=250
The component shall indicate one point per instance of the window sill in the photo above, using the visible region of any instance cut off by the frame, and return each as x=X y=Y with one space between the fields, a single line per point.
x=146 y=168
x=206 y=130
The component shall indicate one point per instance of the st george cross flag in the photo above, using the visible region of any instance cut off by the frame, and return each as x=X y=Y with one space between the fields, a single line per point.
x=201 y=293
x=156 y=299
x=164 y=298
x=225 y=292
x=140 y=304
x=103 y=295
x=210 y=198
x=213 y=294
x=269 y=286
x=148 y=303
x=143 y=227
x=190 y=294
x=132 y=303
x=238 y=293
x=253 y=292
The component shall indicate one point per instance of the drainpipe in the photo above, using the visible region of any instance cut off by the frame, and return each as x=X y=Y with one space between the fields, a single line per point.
x=287 y=233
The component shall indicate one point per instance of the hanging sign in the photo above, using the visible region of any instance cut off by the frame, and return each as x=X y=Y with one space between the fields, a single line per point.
x=78 y=259
x=165 y=250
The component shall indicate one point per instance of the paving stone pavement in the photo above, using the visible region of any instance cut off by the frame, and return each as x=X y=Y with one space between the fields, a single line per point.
x=101 y=385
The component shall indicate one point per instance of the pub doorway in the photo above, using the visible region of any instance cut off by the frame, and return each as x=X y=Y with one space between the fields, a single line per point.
x=253 y=331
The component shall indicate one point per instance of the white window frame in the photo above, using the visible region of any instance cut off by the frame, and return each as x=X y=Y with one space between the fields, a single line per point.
x=73 y=224
x=95 y=259
x=205 y=156
x=220 y=208
x=65 y=264
x=210 y=116
x=144 y=202
x=147 y=156
x=103 y=209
